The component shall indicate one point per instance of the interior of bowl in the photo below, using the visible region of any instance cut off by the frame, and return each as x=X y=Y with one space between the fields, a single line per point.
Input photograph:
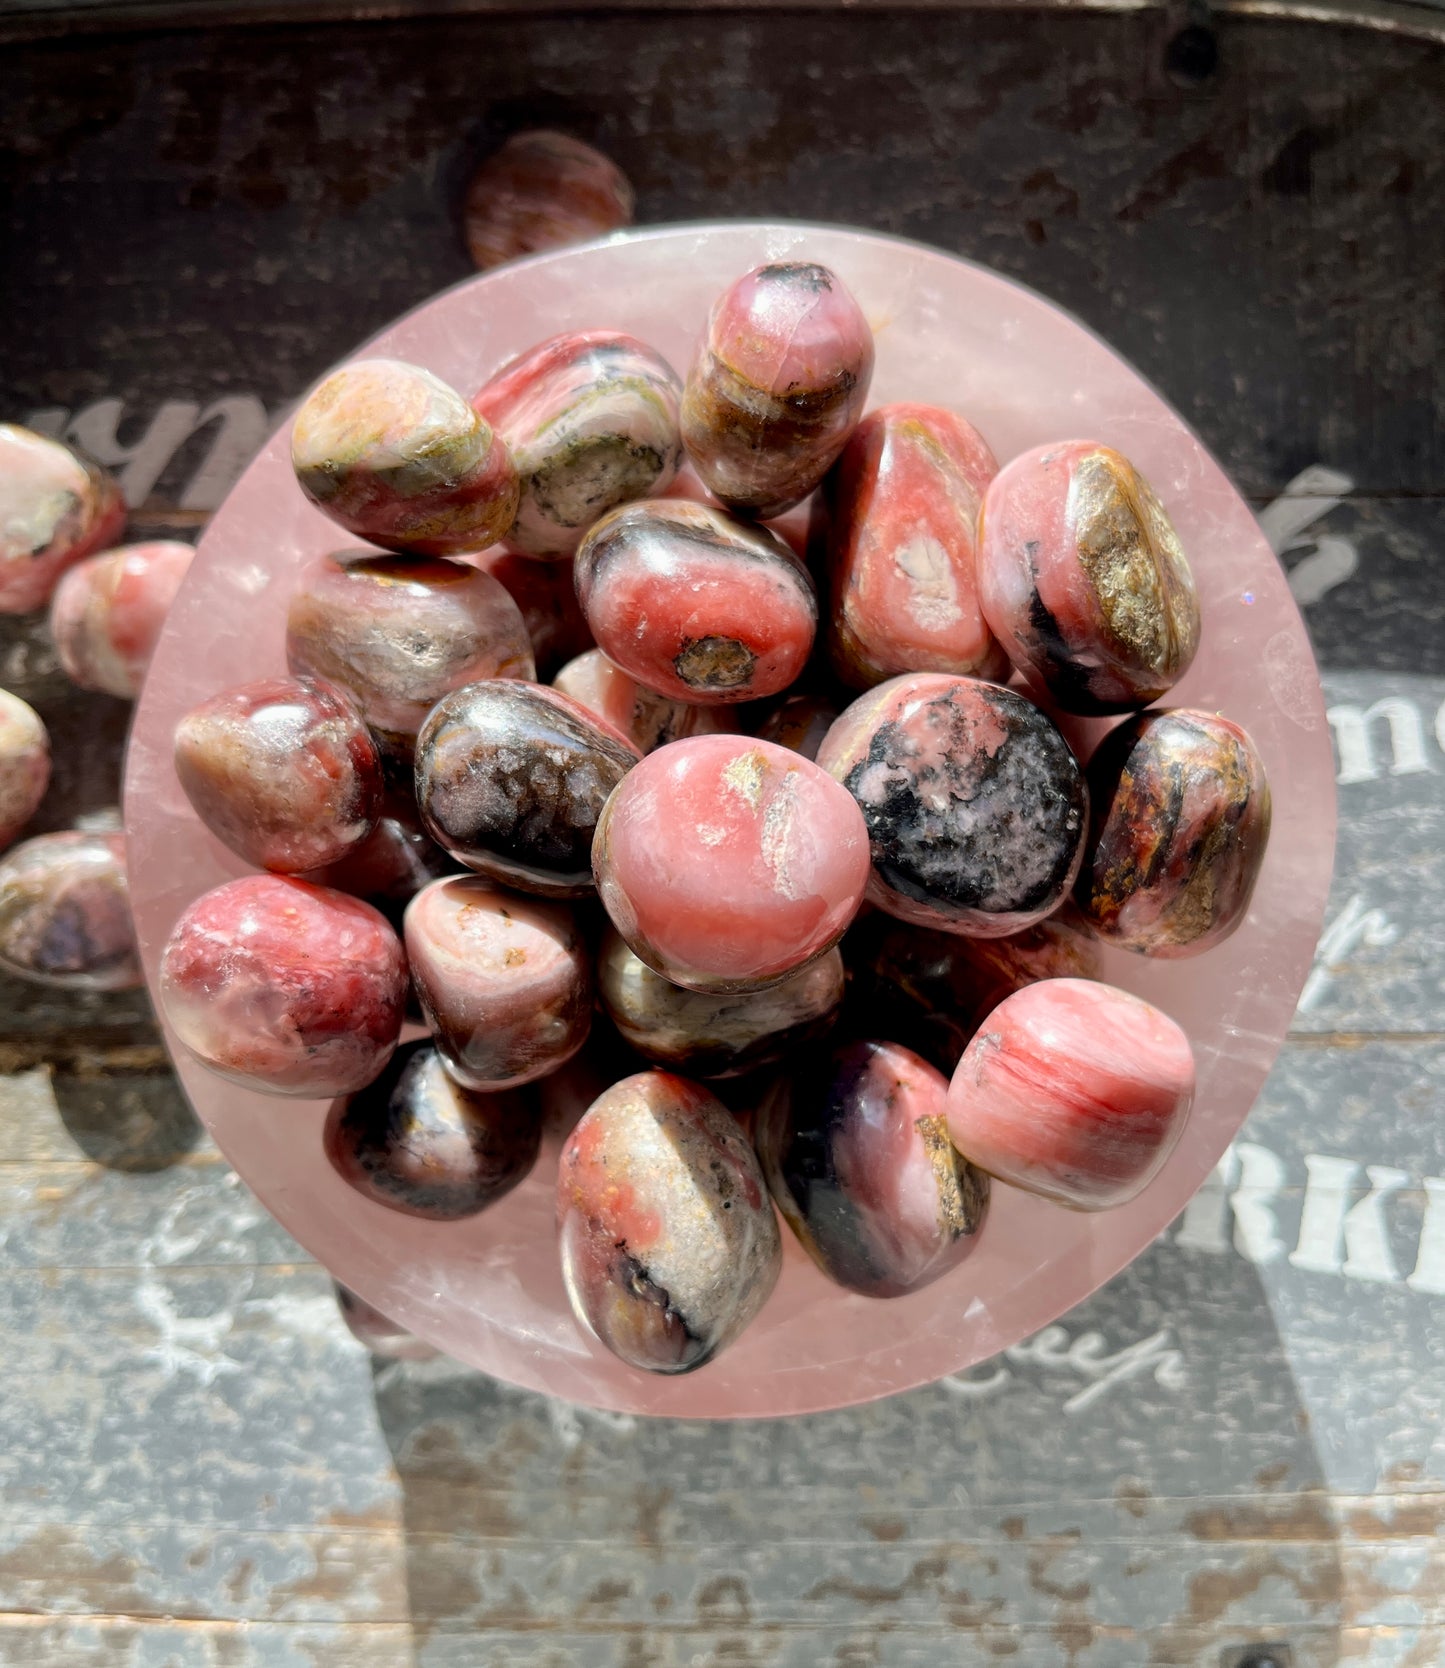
x=488 y=1291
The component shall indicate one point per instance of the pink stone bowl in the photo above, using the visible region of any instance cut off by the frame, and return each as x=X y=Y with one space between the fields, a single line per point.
x=488 y=1291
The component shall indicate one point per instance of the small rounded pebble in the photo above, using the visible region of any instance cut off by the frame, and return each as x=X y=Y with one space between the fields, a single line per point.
x=647 y=719
x=901 y=517
x=397 y=457
x=511 y=779
x=283 y=771
x=24 y=764
x=547 y=597
x=55 y=508
x=398 y=634
x=778 y=385
x=728 y=863
x=284 y=987
x=708 y=1034
x=419 y=1143
x=505 y=982
x=1181 y=814
x=65 y=913
x=932 y=990
x=799 y=724
x=696 y=604
x=590 y=418
x=1073 y=1090
x=1083 y=579
x=542 y=191
x=380 y=1334
x=856 y=1152
x=976 y=808
x=108 y=612
x=668 y=1239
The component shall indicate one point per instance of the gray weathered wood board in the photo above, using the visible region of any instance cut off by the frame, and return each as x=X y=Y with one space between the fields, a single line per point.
x=1236 y=1443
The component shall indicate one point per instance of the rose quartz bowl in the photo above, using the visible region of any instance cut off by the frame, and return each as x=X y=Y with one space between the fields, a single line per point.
x=488 y=1291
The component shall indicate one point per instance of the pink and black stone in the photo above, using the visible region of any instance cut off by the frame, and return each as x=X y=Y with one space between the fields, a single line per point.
x=377 y=1332
x=24 y=764
x=542 y=191
x=108 y=611
x=728 y=863
x=932 y=990
x=547 y=597
x=1083 y=579
x=900 y=514
x=713 y=1034
x=419 y=1143
x=799 y=724
x=505 y=982
x=668 y=1240
x=397 y=634
x=398 y=458
x=285 y=987
x=1181 y=814
x=856 y=1152
x=976 y=809
x=1073 y=1090
x=283 y=771
x=56 y=507
x=65 y=913
x=590 y=418
x=778 y=385
x=647 y=719
x=696 y=604
x=511 y=778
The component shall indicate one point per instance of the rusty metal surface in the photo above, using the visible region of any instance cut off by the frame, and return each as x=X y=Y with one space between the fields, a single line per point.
x=1232 y=1448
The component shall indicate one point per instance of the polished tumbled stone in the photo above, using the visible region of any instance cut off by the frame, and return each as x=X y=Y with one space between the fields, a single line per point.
x=778 y=384
x=668 y=1240
x=542 y=190
x=1180 y=822
x=1083 y=579
x=108 y=612
x=855 y=1148
x=24 y=764
x=1073 y=1090
x=975 y=806
x=56 y=507
x=65 y=912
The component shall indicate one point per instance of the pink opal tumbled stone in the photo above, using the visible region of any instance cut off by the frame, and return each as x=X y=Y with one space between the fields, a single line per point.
x=1083 y=578
x=285 y=987
x=397 y=634
x=542 y=190
x=1073 y=1090
x=779 y=382
x=65 y=912
x=590 y=418
x=696 y=604
x=55 y=508
x=975 y=806
x=647 y=719
x=504 y=981
x=727 y=863
x=24 y=764
x=107 y=613
x=901 y=515
x=397 y=457
x=283 y=771
x=856 y=1152
x=668 y=1240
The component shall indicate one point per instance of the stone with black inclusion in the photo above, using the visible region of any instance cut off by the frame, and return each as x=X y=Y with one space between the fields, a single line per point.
x=975 y=805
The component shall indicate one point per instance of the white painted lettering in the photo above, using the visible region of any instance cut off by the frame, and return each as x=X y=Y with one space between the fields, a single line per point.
x=1261 y=1179
x=1367 y=1238
x=1429 y=1274
x=1351 y=726
x=1203 y=1227
x=1330 y=1184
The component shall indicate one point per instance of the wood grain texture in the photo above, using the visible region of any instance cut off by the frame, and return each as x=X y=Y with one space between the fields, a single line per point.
x=1235 y=1443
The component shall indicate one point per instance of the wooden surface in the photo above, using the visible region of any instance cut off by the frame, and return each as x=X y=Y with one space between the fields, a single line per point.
x=1232 y=1454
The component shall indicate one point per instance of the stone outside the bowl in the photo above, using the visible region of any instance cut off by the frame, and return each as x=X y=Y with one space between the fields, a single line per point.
x=108 y=611
x=56 y=507
x=24 y=765
x=951 y=334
